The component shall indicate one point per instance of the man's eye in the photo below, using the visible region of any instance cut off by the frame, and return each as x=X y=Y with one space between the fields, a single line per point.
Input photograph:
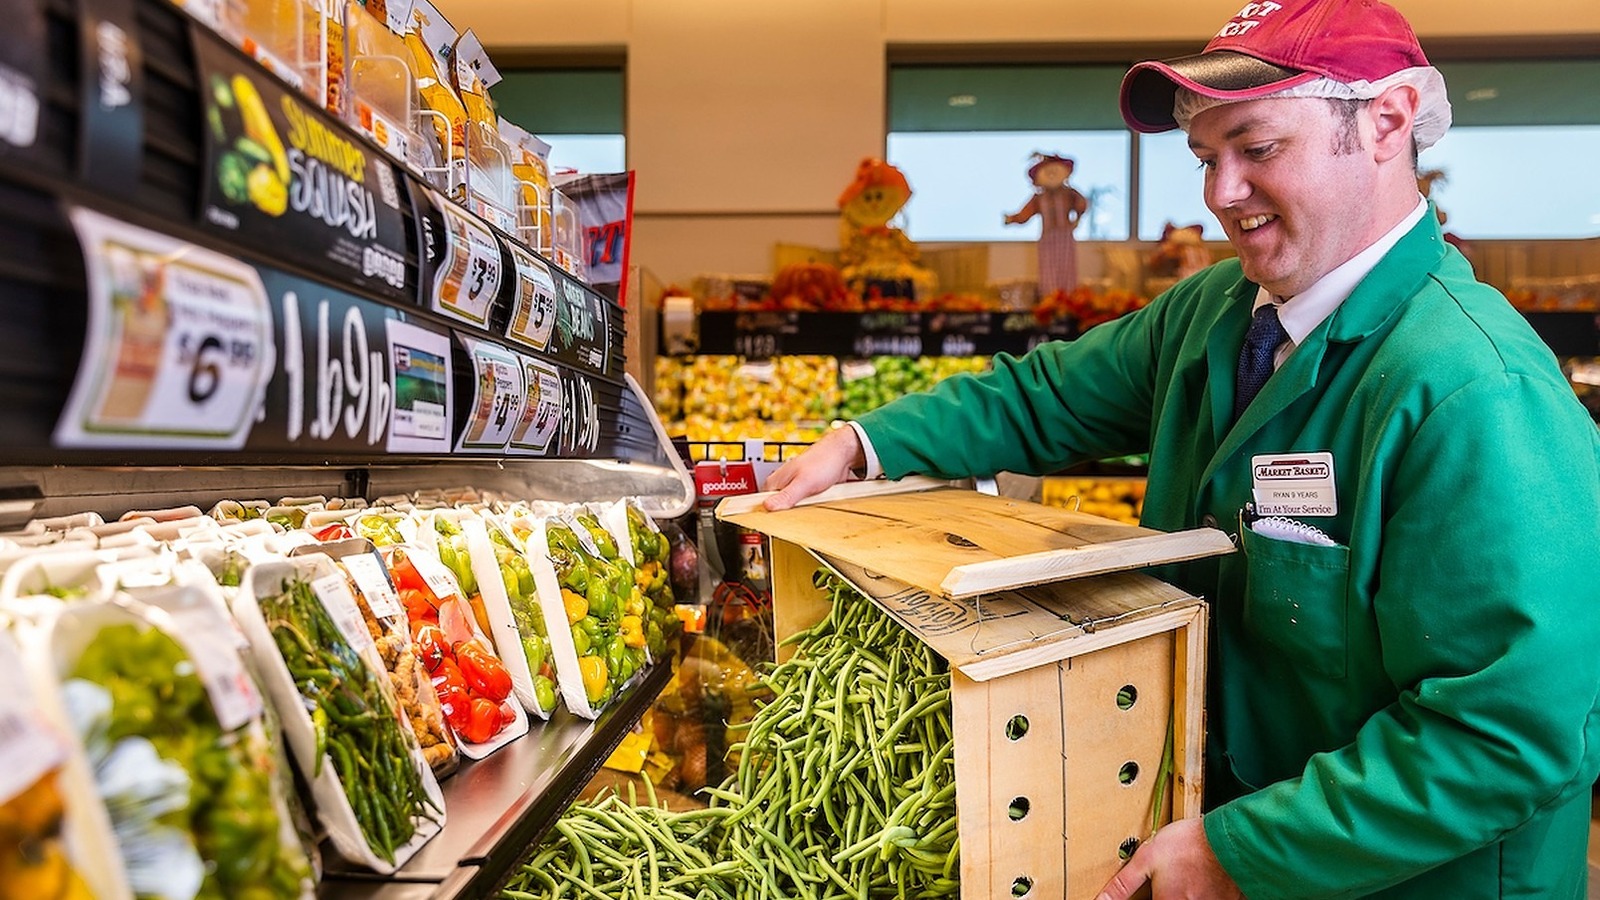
x=1259 y=152
x=1206 y=164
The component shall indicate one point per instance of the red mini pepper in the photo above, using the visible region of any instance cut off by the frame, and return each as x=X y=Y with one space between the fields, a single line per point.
x=430 y=644
x=483 y=722
x=484 y=673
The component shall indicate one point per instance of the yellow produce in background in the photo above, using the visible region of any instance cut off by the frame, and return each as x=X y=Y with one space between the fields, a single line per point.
x=1116 y=498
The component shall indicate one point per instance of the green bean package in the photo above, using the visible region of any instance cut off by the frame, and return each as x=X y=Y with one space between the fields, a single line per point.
x=845 y=788
x=373 y=790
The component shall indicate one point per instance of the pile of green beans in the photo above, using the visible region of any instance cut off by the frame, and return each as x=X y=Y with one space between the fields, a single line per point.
x=845 y=787
x=352 y=718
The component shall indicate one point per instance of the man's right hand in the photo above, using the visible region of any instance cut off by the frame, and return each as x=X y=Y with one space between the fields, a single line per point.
x=824 y=464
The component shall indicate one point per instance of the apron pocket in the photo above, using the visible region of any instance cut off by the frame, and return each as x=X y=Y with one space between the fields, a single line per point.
x=1295 y=599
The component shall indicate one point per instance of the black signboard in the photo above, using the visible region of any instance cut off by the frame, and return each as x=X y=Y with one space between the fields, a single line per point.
x=111 y=94
x=280 y=174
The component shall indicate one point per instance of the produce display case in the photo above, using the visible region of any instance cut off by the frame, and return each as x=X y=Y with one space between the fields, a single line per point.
x=1076 y=685
x=217 y=291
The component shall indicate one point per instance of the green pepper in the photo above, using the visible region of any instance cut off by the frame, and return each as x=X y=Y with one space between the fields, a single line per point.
x=544 y=692
x=533 y=649
x=602 y=599
x=581 y=641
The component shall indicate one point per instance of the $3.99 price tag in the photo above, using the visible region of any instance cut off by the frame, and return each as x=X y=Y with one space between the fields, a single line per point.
x=469 y=277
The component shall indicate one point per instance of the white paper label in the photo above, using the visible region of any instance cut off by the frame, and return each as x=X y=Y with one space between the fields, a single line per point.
x=534 y=317
x=213 y=647
x=336 y=598
x=438 y=578
x=498 y=396
x=469 y=279
x=28 y=748
x=1294 y=484
x=179 y=348
x=541 y=412
x=367 y=572
x=420 y=420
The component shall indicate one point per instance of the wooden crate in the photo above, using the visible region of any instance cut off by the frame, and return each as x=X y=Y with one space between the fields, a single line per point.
x=1072 y=678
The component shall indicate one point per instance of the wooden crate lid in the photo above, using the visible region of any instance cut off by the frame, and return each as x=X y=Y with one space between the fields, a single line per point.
x=1012 y=631
x=960 y=543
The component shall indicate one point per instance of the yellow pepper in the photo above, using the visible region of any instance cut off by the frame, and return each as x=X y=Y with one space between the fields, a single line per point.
x=594 y=672
x=632 y=630
x=636 y=603
x=577 y=605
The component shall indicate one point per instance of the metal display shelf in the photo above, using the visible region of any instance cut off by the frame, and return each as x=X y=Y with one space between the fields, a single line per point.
x=499 y=807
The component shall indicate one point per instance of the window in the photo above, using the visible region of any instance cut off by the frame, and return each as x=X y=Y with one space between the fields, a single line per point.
x=579 y=112
x=1518 y=162
x=963 y=136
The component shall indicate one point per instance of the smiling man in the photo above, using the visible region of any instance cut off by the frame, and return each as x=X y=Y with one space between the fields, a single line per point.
x=1403 y=683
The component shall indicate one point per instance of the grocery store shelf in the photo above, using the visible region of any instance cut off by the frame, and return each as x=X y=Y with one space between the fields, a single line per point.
x=500 y=806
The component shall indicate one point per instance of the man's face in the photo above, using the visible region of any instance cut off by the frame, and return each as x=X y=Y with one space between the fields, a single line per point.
x=1291 y=187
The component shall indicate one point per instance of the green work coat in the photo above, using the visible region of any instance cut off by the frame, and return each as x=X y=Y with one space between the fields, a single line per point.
x=1412 y=712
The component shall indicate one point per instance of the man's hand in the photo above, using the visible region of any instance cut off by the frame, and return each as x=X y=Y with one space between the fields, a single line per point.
x=1178 y=865
x=823 y=465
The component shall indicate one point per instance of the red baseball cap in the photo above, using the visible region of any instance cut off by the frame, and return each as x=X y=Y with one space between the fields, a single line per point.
x=1273 y=45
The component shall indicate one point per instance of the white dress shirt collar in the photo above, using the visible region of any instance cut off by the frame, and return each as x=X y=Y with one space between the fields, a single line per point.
x=1302 y=313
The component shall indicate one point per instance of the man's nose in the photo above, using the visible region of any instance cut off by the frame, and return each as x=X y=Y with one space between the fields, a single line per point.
x=1226 y=185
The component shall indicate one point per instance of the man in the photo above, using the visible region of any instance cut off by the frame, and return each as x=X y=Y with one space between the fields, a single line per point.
x=1403 y=696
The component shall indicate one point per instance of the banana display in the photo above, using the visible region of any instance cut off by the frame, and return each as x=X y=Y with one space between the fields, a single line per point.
x=1117 y=498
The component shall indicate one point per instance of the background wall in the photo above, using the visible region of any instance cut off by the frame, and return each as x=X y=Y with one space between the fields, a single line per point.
x=746 y=119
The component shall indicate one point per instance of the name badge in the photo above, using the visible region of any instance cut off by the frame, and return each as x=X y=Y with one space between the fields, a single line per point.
x=1294 y=484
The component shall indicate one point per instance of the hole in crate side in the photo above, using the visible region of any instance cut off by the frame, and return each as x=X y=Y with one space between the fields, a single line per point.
x=1017 y=727
x=1019 y=809
x=1127 y=848
x=1022 y=886
x=1128 y=773
x=1127 y=696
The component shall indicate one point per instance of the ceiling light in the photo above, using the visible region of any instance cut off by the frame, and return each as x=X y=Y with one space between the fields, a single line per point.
x=1483 y=94
x=963 y=100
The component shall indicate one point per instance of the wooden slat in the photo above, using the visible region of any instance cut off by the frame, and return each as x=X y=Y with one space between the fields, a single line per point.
x=797 y=604
x=1099 y=738
x=999 y=634
x=993 y=770
x=961 y=543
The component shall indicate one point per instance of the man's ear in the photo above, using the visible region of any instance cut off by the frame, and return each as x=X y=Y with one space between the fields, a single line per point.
x=1393 y=113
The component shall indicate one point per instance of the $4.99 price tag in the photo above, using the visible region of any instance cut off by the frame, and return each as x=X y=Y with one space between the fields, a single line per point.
x=334 y=592
x=179 y=349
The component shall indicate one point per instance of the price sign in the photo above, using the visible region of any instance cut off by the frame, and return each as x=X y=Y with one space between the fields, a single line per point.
x=391 y=137
x=498 y=395
x=468 y=279
x=759 y=345
x=213 y=647
x=367 y=572
x=179 y=349
x=28 y=748
x=334 y=592
x=533 y=316
x=541 y=413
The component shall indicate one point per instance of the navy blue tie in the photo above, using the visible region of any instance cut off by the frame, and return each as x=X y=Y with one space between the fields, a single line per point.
x=1255 y=359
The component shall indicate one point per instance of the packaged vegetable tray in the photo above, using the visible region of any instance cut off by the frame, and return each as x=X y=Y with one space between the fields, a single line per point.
x=473 y=685
x=373 y=791
x=170 y=732
x=586 y=591
x=385 y=621
x=52 y=837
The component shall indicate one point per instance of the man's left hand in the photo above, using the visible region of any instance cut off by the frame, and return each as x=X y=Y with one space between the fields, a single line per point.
x=1178 y=864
